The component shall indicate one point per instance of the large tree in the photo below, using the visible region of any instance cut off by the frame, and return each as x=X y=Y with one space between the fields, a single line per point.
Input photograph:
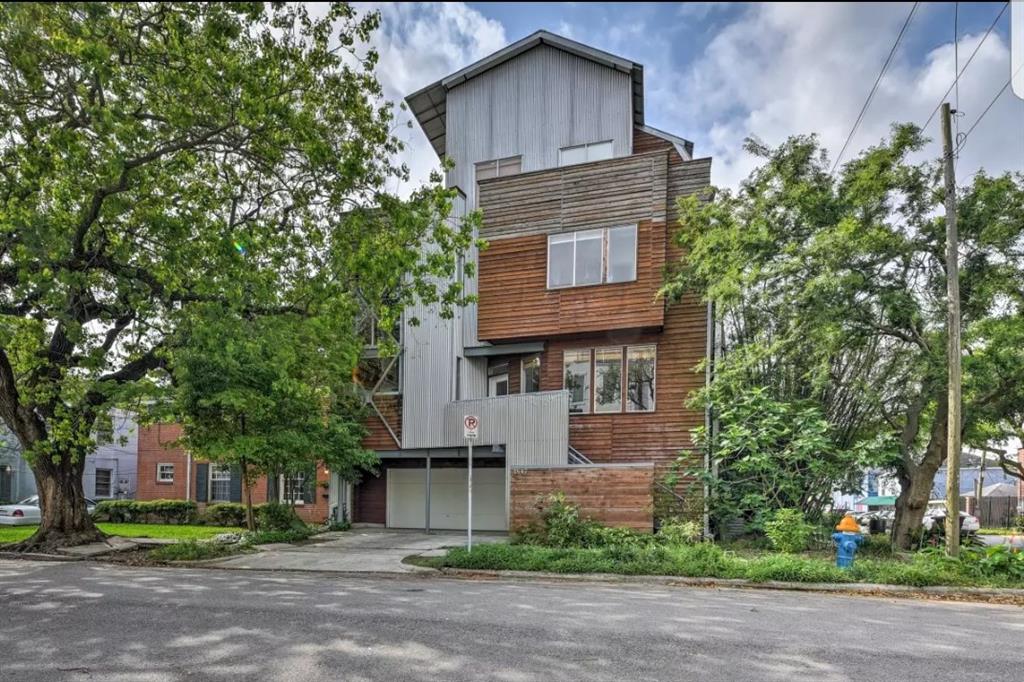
x=832 y=289
x=155 y=157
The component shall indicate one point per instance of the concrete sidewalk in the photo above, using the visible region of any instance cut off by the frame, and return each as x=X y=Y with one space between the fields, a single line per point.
x=362 y=550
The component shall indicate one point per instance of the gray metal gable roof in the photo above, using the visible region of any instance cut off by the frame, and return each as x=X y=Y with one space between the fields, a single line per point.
x=429 y=104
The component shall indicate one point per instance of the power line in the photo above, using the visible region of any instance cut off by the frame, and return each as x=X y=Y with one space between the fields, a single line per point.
x=990 y=105
x=968 y=63
x=874 y=87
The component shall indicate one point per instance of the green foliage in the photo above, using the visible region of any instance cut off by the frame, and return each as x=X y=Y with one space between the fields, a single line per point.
x=788 y=531
x=678 y=532
x=339 y=526
x=1019 y=523
x=174 y=171
x=831 y=291
x=296 y=533
x=225 y=514
x=559 y=525
x=274 y=516
x=192 y=550
x=996 y=561
x=146 y=511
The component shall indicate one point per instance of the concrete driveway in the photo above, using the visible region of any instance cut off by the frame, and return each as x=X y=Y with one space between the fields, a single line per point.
x=360 y=550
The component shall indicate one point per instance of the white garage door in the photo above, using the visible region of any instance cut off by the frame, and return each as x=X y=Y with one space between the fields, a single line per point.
x=406 y=501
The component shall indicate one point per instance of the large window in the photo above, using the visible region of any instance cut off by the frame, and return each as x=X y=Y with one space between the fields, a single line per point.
x=611 y=392
x=382 y=374
x=577 y=380
x=530 y=379
x=592 y=257
x=165 y=473
x=608 y=380
x=103 y=477
x=582 y=153
x=220 y=483
x=640 y=364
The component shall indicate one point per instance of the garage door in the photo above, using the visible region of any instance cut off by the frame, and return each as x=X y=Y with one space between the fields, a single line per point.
x=406 y=499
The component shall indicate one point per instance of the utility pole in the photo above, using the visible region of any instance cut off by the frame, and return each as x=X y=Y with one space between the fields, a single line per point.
x=953 y=339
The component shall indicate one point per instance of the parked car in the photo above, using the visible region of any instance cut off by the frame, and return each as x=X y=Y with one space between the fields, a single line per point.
x=27 y=512
x=934 y=518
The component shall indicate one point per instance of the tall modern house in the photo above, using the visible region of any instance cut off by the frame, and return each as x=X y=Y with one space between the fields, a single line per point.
x=578 y=373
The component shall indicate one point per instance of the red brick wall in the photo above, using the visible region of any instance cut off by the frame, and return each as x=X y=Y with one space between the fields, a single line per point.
x=611 y=495
x=156 y=447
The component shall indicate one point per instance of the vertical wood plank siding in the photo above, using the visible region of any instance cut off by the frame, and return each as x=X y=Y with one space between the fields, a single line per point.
x=378 y=437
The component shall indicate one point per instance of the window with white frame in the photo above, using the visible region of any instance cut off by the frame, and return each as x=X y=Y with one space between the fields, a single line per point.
x=220 y=483
x=582 y=153
x=295 y=488
x=640 y=369
x=592 y=257
x=165 y=473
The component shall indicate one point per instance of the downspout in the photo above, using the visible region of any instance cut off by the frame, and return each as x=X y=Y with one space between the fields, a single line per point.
x=709 y=375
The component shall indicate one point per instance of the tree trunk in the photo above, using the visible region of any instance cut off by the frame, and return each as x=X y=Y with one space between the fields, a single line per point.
x=916 y=481
x=250 y=520
x=65 y=521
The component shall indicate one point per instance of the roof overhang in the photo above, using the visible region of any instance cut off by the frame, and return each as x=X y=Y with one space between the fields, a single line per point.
x=428 y=104
x=683 y=146
x=505 y=349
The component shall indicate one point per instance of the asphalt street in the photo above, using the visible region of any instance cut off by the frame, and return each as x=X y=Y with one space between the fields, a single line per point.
x=89 y=621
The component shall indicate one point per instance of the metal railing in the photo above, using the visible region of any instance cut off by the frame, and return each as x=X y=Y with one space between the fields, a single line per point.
x=577 y=457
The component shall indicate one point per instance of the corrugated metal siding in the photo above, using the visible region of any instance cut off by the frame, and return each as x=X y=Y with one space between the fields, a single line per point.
x=531 y=106
x=533 y=427
x=428 y=367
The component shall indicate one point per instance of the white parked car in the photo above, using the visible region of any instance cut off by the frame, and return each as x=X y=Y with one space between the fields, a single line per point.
x=27 y=512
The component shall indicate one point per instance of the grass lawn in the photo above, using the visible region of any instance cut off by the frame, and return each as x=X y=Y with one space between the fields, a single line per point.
x=131 y=530
x=707 y=560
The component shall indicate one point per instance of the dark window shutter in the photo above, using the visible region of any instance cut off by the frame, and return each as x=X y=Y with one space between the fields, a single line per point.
x=309 y=489
x=202 y=483
x=236 y=484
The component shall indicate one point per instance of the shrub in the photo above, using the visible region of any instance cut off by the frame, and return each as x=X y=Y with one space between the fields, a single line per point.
x=275 y=516
x=560 y=525
x=225 y=514
x=191 y=550
x=146 y=511
x=267 y=537
x=787 y=531
x=876 y=546
x=1019 y=523
x=679 y=532
x=335 y=525
x=997 y=561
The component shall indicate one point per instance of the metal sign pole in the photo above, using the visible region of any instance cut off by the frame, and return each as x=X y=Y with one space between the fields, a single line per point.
x=469 y=502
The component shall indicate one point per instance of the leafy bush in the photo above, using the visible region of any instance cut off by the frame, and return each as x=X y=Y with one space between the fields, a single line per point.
x=876 y=546
x=787 y=531
x=559 y=525
x=226 y=514
x=275 y=516
x=191 y=550
x=146 y=511
x=335 y=525
x=1019 y=523
x=997 y=561
x=678 y=532
x=268 y=537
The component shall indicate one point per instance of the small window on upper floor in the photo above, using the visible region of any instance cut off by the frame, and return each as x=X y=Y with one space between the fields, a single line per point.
x=499 y=168
x=582 y=153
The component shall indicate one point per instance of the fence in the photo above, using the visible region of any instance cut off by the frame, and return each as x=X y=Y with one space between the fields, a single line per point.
x=996 y=512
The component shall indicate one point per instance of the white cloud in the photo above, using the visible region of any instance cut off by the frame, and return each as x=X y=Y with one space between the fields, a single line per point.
x=781 y=69
x=418 y=44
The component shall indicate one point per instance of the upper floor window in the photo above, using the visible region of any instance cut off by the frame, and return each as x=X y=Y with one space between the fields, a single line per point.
x=165 y=473
x=592 y=257
x=380 y=376
x=499 y=168
x=594 y=151
x=220 y=483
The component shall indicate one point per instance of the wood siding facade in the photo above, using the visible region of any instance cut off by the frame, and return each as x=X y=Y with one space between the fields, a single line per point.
x=515 y=303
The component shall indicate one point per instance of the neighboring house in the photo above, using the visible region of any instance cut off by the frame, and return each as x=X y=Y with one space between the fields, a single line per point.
x=111 y=472
x=167 y=472
x=578 y=373
x=879 y=489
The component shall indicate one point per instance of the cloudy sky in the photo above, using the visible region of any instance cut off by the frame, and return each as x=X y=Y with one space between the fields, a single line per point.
x=716 y=73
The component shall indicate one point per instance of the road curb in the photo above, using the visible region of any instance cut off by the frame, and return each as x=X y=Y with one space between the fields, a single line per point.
x=36 y=556
x=872 y=589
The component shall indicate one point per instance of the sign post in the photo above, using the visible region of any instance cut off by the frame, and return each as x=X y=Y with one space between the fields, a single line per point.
x=470 y=431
